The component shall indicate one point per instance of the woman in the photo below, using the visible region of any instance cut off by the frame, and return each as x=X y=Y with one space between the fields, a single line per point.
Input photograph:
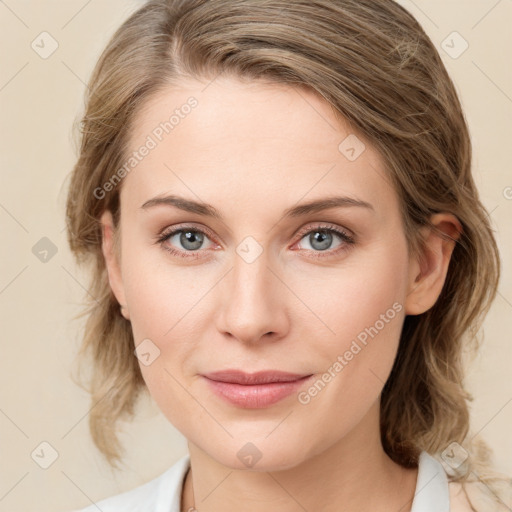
x=289 y=253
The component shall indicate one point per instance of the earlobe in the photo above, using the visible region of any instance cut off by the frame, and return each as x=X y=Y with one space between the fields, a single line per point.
x=428 y=271
x=112 y=261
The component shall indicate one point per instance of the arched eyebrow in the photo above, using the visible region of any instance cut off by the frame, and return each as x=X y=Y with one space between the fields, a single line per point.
x=300 y=210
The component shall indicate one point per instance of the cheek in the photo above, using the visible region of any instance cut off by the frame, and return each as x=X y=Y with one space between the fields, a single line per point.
x=159 y=291
x=361 y=305
x=366 y=288
x=169 y=307
x=164 y=322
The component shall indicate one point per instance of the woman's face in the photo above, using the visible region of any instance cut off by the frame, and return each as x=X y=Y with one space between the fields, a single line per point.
x=267 y=283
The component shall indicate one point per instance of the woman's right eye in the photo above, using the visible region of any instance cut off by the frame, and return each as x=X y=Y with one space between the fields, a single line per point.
x=188 y=240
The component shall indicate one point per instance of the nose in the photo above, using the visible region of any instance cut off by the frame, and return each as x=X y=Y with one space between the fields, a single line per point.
x=253 y=305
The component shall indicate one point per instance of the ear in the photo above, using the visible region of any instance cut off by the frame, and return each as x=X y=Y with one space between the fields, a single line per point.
x=112 y=261
x=428 y=270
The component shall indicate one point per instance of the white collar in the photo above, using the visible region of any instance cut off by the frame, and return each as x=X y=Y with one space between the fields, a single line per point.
x=432 y=493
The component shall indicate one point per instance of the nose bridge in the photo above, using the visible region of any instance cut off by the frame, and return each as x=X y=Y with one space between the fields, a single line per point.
x=251 y=273
x=254 y=305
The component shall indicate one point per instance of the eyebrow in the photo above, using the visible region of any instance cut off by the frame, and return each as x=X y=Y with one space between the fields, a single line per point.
x=208 y=210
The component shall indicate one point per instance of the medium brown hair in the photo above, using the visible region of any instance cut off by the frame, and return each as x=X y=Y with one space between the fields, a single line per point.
x=379 y=71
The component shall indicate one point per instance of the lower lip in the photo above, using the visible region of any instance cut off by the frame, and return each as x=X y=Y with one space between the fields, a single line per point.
x=255 y=396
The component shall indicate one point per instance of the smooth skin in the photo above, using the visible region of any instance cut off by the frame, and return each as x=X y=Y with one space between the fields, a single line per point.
x=253 y=150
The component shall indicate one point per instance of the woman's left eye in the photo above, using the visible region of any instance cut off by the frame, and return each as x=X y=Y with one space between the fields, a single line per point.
x=320 y=240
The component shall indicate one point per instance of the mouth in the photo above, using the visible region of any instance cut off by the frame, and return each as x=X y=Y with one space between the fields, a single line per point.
x=254 y=390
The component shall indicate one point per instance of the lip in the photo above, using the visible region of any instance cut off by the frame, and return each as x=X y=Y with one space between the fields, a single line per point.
x=254 y=390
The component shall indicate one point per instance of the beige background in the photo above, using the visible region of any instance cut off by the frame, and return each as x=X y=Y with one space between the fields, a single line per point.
x=39 y=100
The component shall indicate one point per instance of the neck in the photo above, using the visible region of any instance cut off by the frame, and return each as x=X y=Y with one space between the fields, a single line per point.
x=355 y=471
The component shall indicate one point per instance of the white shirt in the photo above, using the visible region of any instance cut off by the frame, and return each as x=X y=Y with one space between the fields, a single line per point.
x=163 y=493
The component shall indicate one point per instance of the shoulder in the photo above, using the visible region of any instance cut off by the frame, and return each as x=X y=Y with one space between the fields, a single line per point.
x=444 y=492
x=129 y=501
x=160 y=493
x=474 y=496
x=458 y=498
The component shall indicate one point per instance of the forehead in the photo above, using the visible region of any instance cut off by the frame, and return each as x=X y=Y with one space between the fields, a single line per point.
x=247 y=144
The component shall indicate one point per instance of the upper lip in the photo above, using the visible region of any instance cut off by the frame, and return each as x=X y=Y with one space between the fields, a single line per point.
x=261 y=377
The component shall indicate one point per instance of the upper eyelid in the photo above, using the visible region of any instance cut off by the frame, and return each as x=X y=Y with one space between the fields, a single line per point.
x=167 y=232
x=324 y=226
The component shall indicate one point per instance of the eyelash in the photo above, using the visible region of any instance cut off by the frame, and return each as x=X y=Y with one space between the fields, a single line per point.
x=347 y=240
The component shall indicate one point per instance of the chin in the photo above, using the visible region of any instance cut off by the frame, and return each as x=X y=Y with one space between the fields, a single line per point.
x=258 y=454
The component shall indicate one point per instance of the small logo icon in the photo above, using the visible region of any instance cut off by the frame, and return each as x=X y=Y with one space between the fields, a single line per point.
x=44 y=250
x=352 y=147
x=454 y=45
x=44 y=455
x=249 y=454
x=147 y=352
x=454 y=455
x=249 y=249
x=44 y=45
